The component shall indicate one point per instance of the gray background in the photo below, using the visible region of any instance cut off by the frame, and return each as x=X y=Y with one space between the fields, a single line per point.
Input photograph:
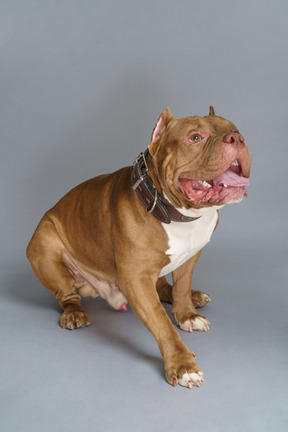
x=82 y=84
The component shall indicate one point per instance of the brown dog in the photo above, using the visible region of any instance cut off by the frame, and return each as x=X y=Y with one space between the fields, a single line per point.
x=119 y=234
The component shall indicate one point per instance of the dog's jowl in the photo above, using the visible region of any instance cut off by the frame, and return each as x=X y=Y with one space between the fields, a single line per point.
x=118 y=235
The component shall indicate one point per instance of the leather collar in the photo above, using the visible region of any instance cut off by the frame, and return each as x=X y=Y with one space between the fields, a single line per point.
x=155 y=203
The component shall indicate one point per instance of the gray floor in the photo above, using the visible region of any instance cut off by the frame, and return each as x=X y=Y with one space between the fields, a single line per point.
x=109 y=376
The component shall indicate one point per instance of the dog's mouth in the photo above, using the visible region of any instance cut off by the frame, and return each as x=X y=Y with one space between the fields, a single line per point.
x=228 y=187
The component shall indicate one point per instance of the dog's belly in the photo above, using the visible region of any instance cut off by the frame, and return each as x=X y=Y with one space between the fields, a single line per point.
x=188 y=238
x=88 y=285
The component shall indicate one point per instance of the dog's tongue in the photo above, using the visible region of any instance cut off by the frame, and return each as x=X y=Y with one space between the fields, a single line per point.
x=230 y=178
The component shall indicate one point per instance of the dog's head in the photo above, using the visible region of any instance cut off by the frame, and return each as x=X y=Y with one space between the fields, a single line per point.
x=200 y=161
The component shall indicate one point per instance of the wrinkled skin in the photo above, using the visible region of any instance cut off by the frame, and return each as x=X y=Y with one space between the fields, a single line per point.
x=207 y=147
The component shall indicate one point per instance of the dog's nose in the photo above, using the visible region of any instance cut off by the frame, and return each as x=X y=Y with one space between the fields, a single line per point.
x=233 y=138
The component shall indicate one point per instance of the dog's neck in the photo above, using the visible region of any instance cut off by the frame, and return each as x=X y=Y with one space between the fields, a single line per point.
x=196 y=212
x=155 y=203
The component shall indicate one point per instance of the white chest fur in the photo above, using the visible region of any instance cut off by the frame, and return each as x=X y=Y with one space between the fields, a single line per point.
x=185 y=239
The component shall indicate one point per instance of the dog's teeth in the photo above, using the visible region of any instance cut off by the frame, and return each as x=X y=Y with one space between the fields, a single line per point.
x=224 y=185
x=204 y=183
x=235 y=163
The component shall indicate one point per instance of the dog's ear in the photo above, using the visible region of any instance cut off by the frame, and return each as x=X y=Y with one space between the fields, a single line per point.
x=211 y=111
x=158 y=130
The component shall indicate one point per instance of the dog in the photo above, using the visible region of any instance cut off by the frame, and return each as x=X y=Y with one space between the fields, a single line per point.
x=118 y=235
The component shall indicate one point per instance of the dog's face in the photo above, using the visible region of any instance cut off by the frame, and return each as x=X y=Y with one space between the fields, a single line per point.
x=204 y=161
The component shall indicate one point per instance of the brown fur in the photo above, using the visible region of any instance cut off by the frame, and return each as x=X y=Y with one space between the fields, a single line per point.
x=100 y=235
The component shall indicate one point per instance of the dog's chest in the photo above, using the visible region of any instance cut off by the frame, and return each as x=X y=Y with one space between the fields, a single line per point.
x=187 y=238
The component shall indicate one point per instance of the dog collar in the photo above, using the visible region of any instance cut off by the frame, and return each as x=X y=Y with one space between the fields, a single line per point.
x=154 y=202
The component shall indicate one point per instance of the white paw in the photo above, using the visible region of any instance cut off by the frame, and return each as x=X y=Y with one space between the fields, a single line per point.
x=206 y=298
x=190 y=379
x=197 y=323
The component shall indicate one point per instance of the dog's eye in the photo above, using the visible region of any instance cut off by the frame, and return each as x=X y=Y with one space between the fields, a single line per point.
x=195 y=138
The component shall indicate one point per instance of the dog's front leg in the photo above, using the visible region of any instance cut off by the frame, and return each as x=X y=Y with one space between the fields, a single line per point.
x=164 y=289
x=179 y=363
x=183 y=309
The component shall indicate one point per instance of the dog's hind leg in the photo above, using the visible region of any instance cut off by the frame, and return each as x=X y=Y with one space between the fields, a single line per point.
x=164 y=289
x=45 y=253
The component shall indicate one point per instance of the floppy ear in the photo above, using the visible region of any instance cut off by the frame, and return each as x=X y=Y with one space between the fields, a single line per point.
x=158 y=130
x=211 y=111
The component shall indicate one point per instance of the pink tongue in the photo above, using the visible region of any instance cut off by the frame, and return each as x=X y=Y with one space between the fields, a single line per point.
x=230 y=178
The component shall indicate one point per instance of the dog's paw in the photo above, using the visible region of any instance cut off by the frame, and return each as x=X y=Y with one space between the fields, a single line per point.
x=73 y=319
x=195 y=322
x=199 y=298
x=190 y=379
x=198 y=323
x=183 y=370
